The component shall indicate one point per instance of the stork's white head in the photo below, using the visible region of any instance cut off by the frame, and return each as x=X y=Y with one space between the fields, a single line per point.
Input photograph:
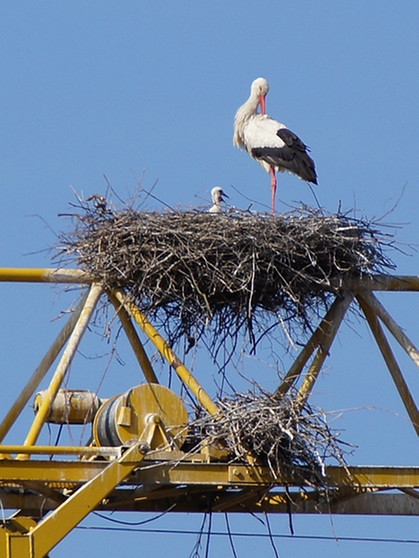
x=249 y=110
x=260 y=88
x=218 y=196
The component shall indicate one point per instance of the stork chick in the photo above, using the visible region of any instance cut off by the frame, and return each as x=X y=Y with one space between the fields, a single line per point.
x=217 y=195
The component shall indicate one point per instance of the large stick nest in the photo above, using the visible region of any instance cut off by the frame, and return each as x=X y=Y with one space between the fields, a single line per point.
x=276 y=432
x=191 y=270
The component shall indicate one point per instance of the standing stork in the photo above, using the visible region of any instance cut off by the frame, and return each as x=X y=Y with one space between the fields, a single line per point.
x=270 y=142
x=217 y=195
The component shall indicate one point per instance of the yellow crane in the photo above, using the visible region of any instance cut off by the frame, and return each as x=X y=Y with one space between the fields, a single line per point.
x=136 y=462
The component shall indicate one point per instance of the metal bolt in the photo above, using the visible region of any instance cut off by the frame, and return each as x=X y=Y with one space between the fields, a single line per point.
x=237 y=473
x=144 y=447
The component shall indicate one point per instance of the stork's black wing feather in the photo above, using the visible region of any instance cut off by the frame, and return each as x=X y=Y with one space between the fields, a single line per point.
x=293 y=156
x=291 y=140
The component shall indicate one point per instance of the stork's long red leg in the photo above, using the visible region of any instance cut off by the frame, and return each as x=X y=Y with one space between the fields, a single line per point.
x=273 y=187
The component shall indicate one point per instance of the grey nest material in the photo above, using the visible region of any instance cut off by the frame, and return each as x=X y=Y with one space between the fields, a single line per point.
x=279 y=433
x=194 y=271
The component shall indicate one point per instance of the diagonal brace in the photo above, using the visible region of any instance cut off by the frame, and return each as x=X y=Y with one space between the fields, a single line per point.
x=392 y=326
x=49 y=532
x=391 y=362
x=41 y=371
x=321 y=339
x=64 y=364
x=166 y=351
x=135 y=341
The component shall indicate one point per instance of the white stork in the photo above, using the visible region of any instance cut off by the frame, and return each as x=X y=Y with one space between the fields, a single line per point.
x=217 y=195
x=270 y=142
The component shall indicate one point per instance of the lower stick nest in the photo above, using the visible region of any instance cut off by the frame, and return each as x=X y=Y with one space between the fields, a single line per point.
x=290 y=438
x=195 y=272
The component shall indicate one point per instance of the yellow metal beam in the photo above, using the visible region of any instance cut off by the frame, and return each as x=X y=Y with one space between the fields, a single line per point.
x=135 y=341
x=51 y=530
x=44 y=275
x=105 y=451
x=13 y=540
x=274 y=500
x=66 y=358
x=40 y=372
x=65 y=474
x=192 y=500
x=61 y=275
x=356 y=504
x=321 y=338
x=391 y=362
x=378 y=283
x=166 y=351
x=392 y=326
x=157 y=473
x=330 y=332
x=244 y=475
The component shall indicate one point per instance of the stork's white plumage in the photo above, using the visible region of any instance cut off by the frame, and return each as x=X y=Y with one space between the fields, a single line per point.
x=270 y=142
x=217 y=195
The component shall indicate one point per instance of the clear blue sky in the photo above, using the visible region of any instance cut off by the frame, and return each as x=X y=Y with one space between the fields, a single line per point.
x=148 y=91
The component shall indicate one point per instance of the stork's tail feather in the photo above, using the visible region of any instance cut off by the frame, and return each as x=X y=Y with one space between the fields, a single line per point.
x=285 y=159
x=306 y=169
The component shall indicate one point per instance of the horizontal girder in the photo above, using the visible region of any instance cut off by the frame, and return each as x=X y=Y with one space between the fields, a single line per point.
x=67 y=474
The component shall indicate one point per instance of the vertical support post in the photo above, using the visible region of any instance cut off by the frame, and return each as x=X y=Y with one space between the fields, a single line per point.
x=62 y=368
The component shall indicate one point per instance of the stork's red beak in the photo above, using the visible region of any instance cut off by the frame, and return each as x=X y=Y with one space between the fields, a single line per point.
x=262 y=102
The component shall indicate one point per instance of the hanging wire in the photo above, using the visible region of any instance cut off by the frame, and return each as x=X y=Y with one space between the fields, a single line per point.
x=134 y=523
x=253 y=535
x=197 y=546
x=230 y=537
x=207 y=547
x=271 y=539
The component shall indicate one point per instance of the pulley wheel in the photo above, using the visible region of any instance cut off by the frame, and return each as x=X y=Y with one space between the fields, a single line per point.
x=123 y=418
